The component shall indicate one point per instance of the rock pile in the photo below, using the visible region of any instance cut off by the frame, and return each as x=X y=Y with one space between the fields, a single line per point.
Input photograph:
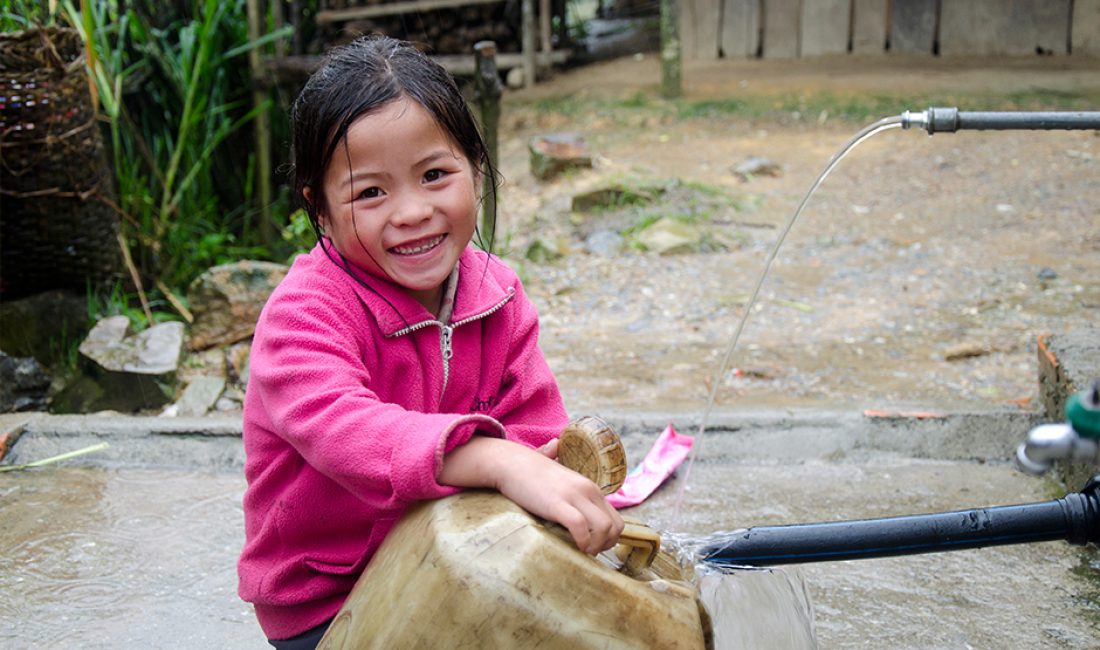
x=175 y=368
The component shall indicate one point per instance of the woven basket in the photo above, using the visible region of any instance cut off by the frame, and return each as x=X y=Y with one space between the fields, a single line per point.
x=58 y=223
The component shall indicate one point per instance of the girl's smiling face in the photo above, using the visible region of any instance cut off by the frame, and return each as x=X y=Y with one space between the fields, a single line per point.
x=400 y=199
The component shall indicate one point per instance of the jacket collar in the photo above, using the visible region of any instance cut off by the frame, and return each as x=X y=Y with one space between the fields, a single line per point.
x=472 y=287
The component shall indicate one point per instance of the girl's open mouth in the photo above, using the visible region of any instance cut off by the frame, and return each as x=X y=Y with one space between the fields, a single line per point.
x=417 y=247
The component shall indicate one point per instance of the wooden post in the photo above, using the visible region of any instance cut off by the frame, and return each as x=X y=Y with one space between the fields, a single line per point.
x=487 y=92
x=544 y=32
x=261 y=127
x=671 y=50
x=528 y=38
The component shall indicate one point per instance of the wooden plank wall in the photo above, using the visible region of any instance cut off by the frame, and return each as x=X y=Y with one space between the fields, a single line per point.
x=700 y=23
x=869 y=24
x=740 y=29
x=779 y=37
x=991 y=27
x=824 y=27
x=786 y=29
x=1085 y=33
x=913 y=26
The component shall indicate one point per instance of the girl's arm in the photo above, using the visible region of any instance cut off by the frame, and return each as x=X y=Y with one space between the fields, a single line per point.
x=538 y=484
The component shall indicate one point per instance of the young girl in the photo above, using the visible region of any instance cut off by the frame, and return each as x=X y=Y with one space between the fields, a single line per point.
x=395 y=363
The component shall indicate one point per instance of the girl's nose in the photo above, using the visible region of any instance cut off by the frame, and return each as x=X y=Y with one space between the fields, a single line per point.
x=412 y=209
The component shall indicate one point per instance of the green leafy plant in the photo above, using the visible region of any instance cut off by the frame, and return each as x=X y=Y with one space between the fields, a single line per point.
x=17 y=15
x=175 y=91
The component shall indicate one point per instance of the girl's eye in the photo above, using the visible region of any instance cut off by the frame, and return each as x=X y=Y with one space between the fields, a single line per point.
x=433 y=175
x=370 y=193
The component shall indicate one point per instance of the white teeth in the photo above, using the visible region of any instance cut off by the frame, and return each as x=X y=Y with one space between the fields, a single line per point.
x=413 y=250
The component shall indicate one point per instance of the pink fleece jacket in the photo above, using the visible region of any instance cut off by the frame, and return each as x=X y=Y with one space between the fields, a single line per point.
x=354 y=397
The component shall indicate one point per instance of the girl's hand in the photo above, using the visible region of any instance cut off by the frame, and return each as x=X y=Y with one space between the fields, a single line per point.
x=539 y=485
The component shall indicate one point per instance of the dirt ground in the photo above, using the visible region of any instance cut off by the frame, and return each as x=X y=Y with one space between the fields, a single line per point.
x=918 y=277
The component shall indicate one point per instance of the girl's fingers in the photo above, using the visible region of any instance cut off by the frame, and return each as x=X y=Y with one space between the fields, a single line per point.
x=577 y=525
x=550 y=449
x=603 y=525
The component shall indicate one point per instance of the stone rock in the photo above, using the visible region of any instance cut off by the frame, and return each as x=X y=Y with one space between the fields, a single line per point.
x=154 y=351
x=966 y=350
x=555 y=153
x=30 y=326
x=232 y=399
x=671 y=237
x=24 y=384
x=207 y=363
x=199 y=396
x=514 y=78
x=543 y=250
x=237 y=358
x=226 y=301
x=615 y=196
x=605 y=243
x=124 y=373
x=756 y=166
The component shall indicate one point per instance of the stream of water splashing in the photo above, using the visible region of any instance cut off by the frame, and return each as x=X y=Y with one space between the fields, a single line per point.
x=896 y=121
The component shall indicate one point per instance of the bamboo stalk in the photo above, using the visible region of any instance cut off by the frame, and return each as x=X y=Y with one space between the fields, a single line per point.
x=135 y=277
x=177 y=304
x=261 y=128
x=89 y=54
x=54 y=459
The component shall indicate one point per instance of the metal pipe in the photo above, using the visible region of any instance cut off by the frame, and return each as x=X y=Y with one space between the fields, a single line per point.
x=950 y=120
x=1074 y=518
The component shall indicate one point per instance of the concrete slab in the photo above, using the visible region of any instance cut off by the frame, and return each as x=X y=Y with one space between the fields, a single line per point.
x=776 y=436
x=179 y=480
x=1068 y=362
x=869 y=26
x=913 y=26
x=824 y=27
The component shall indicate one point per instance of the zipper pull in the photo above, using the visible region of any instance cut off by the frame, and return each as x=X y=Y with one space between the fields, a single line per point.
x=445 y=341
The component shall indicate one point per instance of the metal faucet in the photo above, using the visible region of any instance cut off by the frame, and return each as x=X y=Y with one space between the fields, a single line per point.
x=1076 y=439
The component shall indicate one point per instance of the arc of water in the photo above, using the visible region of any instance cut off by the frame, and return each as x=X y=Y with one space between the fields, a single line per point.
x=870 y=130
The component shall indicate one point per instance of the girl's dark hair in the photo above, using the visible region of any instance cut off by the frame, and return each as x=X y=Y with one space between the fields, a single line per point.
x=361 y=77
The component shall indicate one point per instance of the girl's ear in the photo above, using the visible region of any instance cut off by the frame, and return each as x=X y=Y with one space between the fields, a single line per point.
x=479 y=183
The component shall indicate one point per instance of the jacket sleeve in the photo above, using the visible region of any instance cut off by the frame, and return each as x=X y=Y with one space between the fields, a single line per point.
x=307 y=366
x=530 y=405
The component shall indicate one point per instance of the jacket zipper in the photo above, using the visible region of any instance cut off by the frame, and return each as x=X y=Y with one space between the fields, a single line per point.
x=446 y=334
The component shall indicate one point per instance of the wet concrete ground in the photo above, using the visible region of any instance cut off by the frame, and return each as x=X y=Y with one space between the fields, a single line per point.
x=135 y=546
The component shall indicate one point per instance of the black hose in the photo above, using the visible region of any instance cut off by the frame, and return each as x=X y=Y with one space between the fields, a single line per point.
x=1074 y=518
x=949 y=120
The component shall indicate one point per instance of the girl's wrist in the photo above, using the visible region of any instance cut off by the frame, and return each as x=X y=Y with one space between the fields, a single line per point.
x=477 y=463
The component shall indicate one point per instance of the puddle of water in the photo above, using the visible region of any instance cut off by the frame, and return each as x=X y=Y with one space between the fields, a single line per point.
x=1019 y=596
x=98 y=558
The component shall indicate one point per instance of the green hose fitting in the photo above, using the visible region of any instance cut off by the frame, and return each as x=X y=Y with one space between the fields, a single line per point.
x=1083 y=411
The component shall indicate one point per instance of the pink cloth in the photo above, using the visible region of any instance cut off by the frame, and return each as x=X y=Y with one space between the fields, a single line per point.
x=666 y=455
x=350 y=408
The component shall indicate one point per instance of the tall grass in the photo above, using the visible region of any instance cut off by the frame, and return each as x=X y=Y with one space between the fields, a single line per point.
x=174 y=89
